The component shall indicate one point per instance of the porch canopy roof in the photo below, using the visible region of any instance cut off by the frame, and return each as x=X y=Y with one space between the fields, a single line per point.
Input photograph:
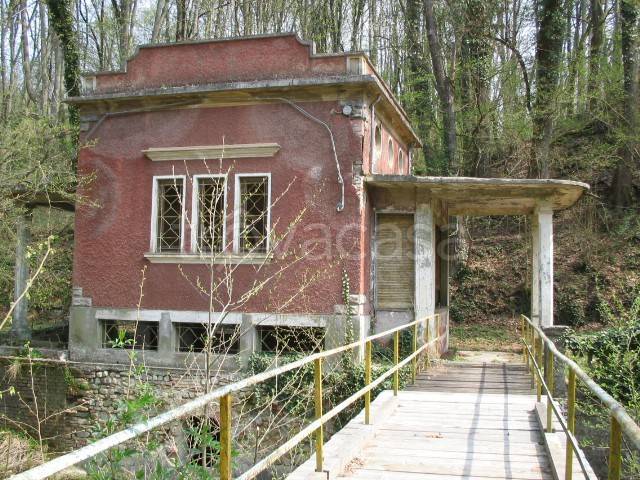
x=474 y=196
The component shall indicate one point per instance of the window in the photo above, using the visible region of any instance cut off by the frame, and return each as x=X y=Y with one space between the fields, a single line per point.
x=130 y=335
x=168 y=214
x=291 y=339
x=209 y=213
x=192 y=337
x=378 y=144
x=252 y=207
x=391 y=155
x=401 y=161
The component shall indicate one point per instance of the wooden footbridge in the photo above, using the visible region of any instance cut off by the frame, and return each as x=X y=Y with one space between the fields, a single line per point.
x=473 y=421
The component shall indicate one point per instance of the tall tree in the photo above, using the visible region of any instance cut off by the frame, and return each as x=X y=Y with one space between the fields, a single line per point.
x=622 y=184
x=595 y=51
x=61 y=15
x=443 y=87
x=548 y=62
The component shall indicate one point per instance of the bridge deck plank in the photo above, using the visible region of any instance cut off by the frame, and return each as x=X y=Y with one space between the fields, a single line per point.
x=472 y=422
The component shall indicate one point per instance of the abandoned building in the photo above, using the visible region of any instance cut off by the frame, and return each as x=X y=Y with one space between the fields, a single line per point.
x=254 y=184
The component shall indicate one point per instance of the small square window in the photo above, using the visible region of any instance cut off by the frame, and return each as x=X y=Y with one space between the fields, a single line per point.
x=291 y=339
x=254 y=214
x=130 y=335
x=211 y=213
x=192 y=337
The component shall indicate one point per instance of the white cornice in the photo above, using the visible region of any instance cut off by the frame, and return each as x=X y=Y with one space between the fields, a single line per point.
x=217 y=259
x=212 y=152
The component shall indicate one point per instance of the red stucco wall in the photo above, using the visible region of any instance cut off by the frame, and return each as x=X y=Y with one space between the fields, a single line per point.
x=113 y=235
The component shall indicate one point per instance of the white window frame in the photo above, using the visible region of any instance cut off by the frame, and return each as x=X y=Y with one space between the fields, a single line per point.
x=195 y=224
x=237 y=206
x=154 y=210
x=391 y=153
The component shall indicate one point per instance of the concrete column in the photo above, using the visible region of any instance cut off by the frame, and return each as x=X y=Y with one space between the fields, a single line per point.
x=535 y=277
x=19 y=325
x=425 y=265
x=248 y=340
x=545 y=265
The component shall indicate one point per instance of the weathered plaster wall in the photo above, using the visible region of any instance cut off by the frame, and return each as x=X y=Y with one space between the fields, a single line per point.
x=112 y=237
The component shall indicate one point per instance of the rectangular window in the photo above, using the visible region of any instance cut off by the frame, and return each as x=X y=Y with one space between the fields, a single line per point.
x=130 y=335
x=210 y=211
x=253 y=214
x=192 y=337
x=169 y=209
x=291 y=339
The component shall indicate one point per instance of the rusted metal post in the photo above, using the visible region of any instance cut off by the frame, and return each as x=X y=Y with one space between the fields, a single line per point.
x=522 y=335
x=571 y=424
x=318 y=404
x=438 y=335
x=414 y=361
x=549 y=378
x=615 y=451
x=539 y=356
x=225 y=437
x=396 y=360
x=367 y=381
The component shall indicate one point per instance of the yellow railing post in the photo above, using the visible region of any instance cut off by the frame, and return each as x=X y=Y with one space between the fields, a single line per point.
x=615 y=451
x=414 y=361
x=532 y=355
x=225 y=437
x=571 y=424
x=522 y=334
x=549 y=377
x=367 y=381
x=396 y=360
x=437 y=335
x=318 y=404
x=539 y=346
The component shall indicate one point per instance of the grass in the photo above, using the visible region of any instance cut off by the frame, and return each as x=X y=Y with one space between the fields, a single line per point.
x=493 y=336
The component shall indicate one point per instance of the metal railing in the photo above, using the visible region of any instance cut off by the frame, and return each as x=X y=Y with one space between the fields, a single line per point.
x=224 y=397
x=538 y=346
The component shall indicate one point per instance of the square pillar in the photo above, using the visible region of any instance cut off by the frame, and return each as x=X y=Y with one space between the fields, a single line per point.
x=425 y=261
x=535 y=277
x=545 y=265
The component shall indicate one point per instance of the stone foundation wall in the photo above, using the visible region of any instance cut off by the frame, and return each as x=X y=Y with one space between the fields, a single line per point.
x=73 y=399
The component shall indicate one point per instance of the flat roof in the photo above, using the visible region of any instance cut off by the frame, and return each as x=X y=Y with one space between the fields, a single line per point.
x=481 y=196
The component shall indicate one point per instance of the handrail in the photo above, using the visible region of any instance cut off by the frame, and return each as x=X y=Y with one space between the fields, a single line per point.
x=58 y=464
x=621 y=421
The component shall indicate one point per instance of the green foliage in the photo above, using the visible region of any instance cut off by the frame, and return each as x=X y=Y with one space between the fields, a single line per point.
x=612 y=355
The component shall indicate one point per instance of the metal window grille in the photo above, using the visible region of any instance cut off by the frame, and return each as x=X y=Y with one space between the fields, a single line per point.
x=169 y=231
x=192 y=337
x=211 y=199
x=254 y=204
x=130 y=335
x=291 y=339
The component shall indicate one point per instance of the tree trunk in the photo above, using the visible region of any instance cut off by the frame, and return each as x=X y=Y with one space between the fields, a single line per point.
x=622 y=188
x=443 y=87
x=61 y=19
x=595 y=52
x=26 y=60
x=548 y=61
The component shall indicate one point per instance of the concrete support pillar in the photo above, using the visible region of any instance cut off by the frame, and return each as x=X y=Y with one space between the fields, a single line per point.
x=535 y=277
x=20 y=326
x=248 y=340
x=545 y=265
x=425 y=261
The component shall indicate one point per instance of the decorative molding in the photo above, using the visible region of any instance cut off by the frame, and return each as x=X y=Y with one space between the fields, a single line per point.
x=212 y=152
x=218 y=259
